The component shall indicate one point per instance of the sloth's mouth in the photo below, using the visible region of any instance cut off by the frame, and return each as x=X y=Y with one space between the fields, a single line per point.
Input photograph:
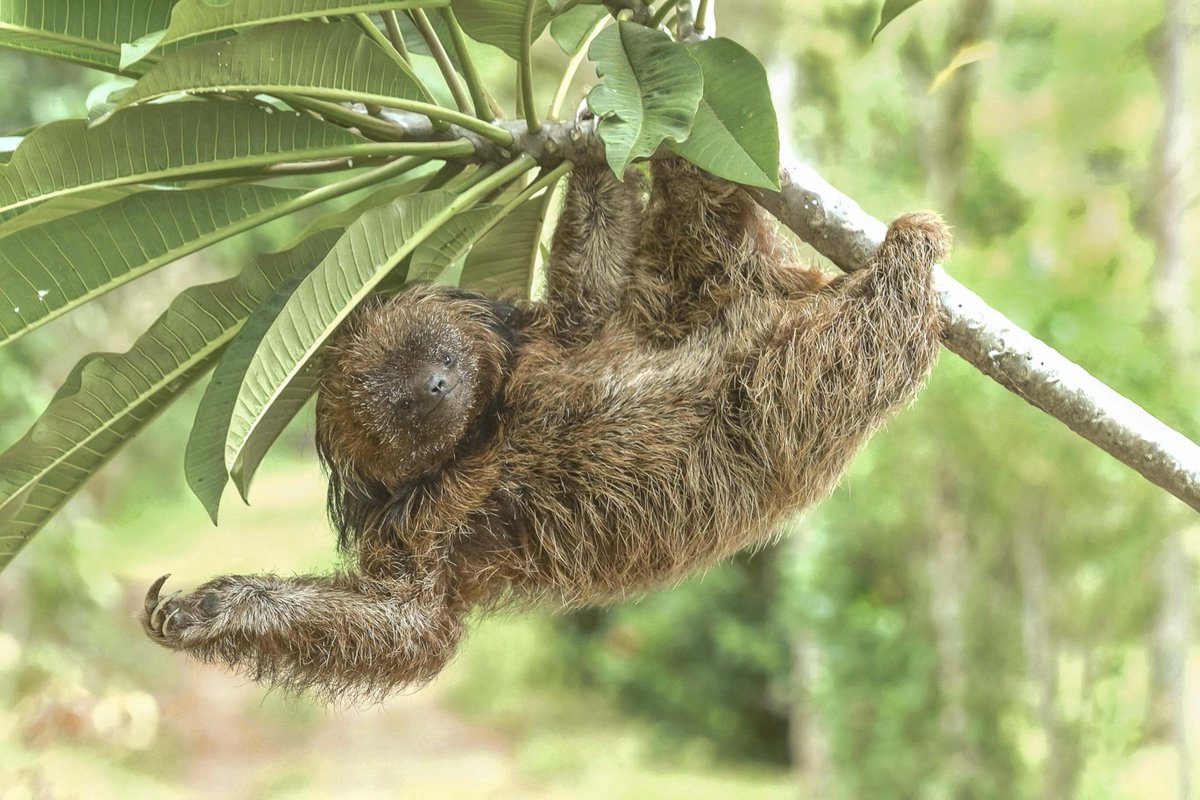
x=438 y=404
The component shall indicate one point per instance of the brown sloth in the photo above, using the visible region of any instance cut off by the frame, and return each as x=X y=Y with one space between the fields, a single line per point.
x=679 y=392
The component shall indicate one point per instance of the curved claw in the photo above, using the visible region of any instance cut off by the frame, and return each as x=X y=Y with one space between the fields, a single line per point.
x=161 y=608
x=152 y=594
x=166 y=623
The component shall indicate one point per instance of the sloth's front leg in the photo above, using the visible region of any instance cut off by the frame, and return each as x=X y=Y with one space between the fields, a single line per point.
x=345 y=635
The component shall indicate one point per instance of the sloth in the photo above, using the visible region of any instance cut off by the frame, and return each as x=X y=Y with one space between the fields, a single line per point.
x=680 y=391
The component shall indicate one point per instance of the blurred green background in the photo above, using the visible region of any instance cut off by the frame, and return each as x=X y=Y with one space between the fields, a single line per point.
x=988 y=607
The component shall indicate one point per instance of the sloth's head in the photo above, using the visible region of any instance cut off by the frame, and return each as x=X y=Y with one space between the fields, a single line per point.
x=406 y=381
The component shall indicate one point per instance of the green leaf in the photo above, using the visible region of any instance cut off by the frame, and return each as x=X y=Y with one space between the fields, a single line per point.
x=164 y=142
x=275 y=420
x=50 y=269
x=652 y=87
x=735 y=134
x=331 y=61
x=891 y=9
x=191 y=18
x=91 y=36
x=385 y=194
x=434 y=256
x=500 y=22
x=204 y=458
x=109 y=398
x=571 y=28
x=502 y=259
x=65 y=206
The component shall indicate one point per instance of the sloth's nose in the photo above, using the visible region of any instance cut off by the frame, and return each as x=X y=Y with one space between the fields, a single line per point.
x=437 y=384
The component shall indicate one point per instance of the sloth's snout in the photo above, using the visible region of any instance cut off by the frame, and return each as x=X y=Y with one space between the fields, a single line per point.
x=439 y=384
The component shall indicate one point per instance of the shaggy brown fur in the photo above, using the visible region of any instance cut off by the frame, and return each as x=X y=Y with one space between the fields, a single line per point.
x=679 y=393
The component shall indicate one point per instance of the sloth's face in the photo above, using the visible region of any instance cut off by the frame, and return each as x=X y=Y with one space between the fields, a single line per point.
x=406 y=382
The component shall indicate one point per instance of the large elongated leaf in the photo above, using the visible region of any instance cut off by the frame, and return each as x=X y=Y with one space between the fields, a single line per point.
x=735 y=134
x=109 y=398
x=65 y=206
x=192 y=18
x=384 y=194
x=570 y=29
x=502 y=258
x=163 y=142
x=86 y=32
x=434 y=256
x=501 y=22
x=204 y=458
x=48 y=270
x=298 y=391
x=652 y=87
x=333 y=61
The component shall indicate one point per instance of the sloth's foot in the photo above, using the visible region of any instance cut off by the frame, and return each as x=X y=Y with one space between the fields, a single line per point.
x=172 y=620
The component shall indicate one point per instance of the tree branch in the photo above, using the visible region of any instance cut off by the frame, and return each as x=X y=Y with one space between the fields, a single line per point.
x=841 y=231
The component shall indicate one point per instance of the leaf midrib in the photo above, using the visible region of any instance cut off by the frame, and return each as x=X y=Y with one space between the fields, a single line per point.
x=227 y=167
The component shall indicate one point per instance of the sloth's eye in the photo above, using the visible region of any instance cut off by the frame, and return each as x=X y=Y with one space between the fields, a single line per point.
x=406 y=404
x=447 y=360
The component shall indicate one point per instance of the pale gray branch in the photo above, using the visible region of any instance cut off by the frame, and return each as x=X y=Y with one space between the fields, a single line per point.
x=841 y=231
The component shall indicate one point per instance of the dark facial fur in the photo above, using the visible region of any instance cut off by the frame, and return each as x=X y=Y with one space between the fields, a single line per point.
x=406 y=380
x=682 y=390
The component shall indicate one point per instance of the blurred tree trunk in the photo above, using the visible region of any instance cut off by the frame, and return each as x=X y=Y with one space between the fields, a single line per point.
x=1060 y=769
x=1162 y=219
x=1171 y=640
x=949 y=567
x=807 y=739
x=949 y=135
x=948 y=140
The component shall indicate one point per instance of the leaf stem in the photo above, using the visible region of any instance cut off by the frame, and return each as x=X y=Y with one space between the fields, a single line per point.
x=425 y=27
x=343 y=116
x=526 y=66
x=395 y=35
x=363 y=180
x=661 y=13
x=577 y=58
x=374 y=34
x=479 y=95
x=701 y=16
x=435 y=112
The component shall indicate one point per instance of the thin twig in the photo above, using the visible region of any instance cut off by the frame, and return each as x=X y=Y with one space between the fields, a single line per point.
x=661 y=13
x=395 y=35
x=525 y=76
x=577 y=58
x=479 y=95
x=378 y=38
x=425 y=27
x=339 y=114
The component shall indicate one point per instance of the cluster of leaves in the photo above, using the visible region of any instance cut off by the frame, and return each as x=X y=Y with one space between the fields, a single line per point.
x=221 y=117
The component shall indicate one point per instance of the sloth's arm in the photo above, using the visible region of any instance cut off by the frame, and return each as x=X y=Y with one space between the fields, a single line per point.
x=596 y=238
x=342 y=635
x=845 y=358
